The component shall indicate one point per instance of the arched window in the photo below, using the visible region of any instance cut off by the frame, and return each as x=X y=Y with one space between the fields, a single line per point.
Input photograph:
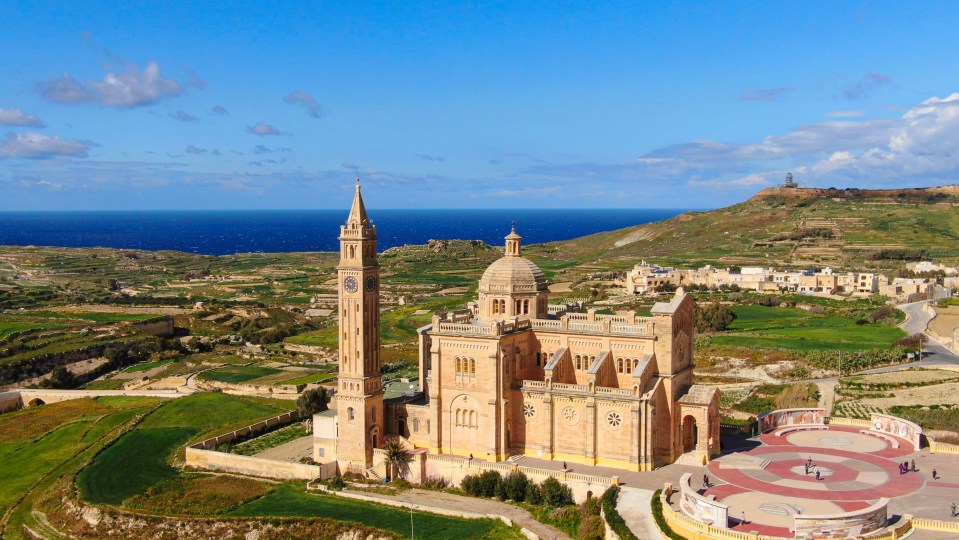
x=472 y=418
x=459 y=417
x=619 y=365
x=472 y=367
x=502 y=306
x=629 y=366
x=416 y=425
x=352 y=252
x=519 y=305
x=349 y=414
x=495 y=309
x=526 y=307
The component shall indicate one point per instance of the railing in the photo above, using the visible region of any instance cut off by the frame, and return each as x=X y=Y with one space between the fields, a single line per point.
x=855 y=422
x=935 y=525
x=638 y=328
x=461 y=328
x=533 y=384
x=549 y=324
x=572 y=387
x=586 y=327
x=614 y=391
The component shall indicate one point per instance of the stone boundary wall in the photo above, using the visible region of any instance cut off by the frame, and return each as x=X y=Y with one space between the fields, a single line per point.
x=249 y=465
x=213 y=442
x=202 y=455
x=846 y=524
x=21 y=397
x=455 y=468
x=791 y=417
x=249 y=389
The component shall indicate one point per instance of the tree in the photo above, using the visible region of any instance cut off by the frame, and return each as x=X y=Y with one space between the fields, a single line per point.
x=714 y=318
x=61 y=377
x=514 y=487
x=397 y=456
x=555 y=493
x=312 y=401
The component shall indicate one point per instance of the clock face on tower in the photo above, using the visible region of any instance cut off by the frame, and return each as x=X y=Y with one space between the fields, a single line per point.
x=350 y=284
x=370 y=284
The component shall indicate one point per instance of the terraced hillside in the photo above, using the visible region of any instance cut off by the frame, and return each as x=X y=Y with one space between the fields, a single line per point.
x=861 y=229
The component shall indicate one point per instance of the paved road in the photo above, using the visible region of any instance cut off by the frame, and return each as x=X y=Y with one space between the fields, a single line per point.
x=933 y=352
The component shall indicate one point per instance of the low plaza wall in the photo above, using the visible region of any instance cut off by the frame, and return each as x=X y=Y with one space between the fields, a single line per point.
x=900 y=427
x=708 y=511
x=844 y=525
x=791 y=417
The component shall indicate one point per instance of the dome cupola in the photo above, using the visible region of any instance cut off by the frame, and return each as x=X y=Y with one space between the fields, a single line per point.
x=513 y=285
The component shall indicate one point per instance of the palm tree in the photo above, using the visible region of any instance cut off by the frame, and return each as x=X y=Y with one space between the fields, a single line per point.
x=396 y=456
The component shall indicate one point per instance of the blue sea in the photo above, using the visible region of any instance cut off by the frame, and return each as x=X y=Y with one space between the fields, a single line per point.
x=244 y=231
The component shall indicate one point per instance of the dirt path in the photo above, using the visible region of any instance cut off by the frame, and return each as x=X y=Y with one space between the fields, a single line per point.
x=448 y=501
x=291 y=451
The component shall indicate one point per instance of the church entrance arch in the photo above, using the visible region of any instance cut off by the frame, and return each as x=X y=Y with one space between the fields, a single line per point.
x=690 y=433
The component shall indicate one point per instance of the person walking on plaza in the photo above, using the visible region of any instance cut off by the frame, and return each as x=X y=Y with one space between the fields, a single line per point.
x=953 y=512
x=817 y=475
x=705 y=480
x=913 y=465
x=935 y=475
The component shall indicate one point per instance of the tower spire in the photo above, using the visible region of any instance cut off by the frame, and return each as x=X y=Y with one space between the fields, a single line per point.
x=358 y=211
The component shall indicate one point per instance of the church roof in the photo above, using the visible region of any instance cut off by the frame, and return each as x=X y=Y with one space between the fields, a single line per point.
x=513 y=273
x=699 y=394
x=670 y=307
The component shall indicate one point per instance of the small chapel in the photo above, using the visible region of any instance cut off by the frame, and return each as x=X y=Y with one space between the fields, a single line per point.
x=512 y=374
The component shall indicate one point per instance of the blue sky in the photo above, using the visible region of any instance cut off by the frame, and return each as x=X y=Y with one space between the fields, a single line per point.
x=197 y=105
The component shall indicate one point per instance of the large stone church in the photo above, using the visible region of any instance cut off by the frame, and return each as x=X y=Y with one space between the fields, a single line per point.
x=512 y=374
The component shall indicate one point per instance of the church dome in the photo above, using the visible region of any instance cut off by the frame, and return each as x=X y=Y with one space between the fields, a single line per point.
x=513 y=274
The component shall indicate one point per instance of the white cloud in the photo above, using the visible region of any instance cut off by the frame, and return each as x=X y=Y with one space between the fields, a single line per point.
x=38 y=146
x=16 y=117
x=263 y=129
x=313 y=108
x=130 y=88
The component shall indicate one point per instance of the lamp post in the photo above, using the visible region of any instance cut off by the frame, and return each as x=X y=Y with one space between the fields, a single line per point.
x=411 y=521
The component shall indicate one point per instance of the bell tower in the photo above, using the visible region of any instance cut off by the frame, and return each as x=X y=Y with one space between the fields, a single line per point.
x=359 y=398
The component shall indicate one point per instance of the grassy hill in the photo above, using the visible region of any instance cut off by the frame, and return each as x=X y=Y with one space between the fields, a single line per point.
x=799 y=227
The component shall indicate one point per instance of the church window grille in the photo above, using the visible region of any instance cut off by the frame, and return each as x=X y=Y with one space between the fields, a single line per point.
x=614 y=419
x=529 y=411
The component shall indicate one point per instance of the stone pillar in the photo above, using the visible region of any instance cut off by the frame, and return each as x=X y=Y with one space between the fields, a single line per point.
x=590 y=418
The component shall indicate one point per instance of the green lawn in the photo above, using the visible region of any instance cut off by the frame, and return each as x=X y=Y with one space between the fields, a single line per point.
x=238 y=374
x=95 y=317
x=800 y=330
x=286 y=501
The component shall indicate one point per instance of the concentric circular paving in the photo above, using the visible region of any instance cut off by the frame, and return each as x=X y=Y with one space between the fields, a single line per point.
x=774 y=482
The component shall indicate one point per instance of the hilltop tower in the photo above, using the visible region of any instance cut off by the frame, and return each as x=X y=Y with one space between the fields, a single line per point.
x=360 y=396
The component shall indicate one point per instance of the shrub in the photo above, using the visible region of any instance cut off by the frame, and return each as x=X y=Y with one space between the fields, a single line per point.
x=534 y=494
x=555 y=493
x=657 y=505
x=514 y=487
x=337 y=483
x=434 y=482
x=485 y=484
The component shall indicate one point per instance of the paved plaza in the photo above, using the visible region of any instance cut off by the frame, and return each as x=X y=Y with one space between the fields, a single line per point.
x=776 y=480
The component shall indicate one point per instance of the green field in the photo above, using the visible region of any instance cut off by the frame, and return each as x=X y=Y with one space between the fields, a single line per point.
x=146 y=366
x=800 y=330
x=288 y=502
x=141 y=459
x=238 y=374
x=311 y=378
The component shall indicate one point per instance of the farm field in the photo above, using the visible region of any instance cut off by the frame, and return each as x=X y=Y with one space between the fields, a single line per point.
x=800 y=330
x=238 y=374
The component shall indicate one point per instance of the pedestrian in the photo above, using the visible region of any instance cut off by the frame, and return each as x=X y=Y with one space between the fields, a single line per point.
x=913 y=465
x=817 y=475
x=905 y=466
x=705 y=480
x=564 y=465
x=809 y=462
x=935 y=475
x=744 y=517
x=953 y=513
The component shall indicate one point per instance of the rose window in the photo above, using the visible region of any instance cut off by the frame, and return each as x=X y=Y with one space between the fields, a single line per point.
x=570 y=415
x=614 y=419
x=528 y=410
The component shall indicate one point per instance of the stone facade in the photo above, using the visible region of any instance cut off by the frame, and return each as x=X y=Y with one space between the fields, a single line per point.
x=514 y=375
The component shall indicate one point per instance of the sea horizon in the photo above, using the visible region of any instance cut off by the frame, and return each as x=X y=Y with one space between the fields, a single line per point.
x=225 y=232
